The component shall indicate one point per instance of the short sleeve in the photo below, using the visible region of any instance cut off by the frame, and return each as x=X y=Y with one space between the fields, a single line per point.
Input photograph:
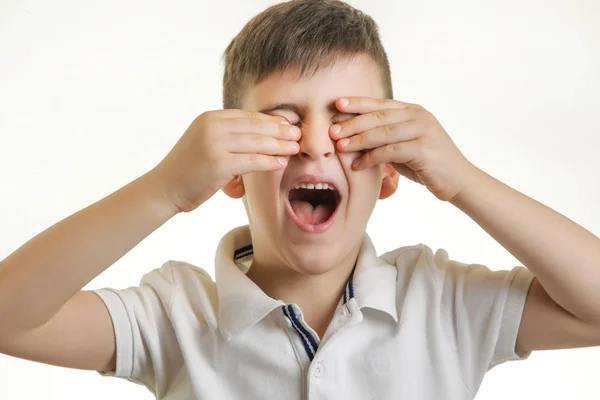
x=146 y=346
x=483 y=310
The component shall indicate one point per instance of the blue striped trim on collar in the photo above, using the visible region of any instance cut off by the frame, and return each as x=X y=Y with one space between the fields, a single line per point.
x=243 y=252
x=349 y=291
x=309 y=342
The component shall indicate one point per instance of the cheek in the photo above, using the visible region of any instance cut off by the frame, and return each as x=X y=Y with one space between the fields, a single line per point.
x=263 y=185
x=346 y=159
x=365 y=181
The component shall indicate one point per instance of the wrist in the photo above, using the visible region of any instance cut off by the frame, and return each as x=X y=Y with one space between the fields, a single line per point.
x=157 y=192
x=472 y=178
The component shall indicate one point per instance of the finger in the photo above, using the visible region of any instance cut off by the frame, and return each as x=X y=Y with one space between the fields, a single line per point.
x=371 y=120
x=264 y=127
x=235 y=113
x=376 y=137
x=256 y=143
x=363 y=104
x=405 y=171
x=401 y=153
x=241 y=164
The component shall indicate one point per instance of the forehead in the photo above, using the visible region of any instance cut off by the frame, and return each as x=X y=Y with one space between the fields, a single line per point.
x=357 y=76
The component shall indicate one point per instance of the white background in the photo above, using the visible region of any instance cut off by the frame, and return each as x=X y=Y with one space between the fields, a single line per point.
x=93 y=94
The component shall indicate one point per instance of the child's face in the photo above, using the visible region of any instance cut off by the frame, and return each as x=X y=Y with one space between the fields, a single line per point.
x=286 y=228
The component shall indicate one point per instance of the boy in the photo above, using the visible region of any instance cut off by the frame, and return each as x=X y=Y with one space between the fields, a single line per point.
x=310 y=137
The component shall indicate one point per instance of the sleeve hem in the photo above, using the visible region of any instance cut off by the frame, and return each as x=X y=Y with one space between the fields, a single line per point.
x=511 y=318
x=123 y=334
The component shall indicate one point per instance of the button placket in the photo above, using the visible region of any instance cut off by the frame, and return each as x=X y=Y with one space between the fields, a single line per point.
x=295 y=322
x=318 y=369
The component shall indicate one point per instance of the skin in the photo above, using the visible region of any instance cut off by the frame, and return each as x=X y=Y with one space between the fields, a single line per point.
x=306 y=268
x=563 y=304
x=562 y=309
x=46 y=316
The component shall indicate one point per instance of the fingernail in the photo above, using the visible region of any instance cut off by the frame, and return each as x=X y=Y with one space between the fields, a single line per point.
x=281 y=160
x=344 y=142
x=284 y=122
x=294 y=130
x=336 y=128
x=344 y=102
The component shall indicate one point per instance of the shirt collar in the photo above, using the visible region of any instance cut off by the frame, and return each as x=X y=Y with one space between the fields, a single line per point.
x=242 y=303
x=375 y=281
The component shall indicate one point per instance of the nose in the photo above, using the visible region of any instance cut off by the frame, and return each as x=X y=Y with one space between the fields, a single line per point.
x=315 y=142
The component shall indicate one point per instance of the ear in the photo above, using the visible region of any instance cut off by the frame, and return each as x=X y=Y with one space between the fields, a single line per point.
x=235 y=187
x=389 y=183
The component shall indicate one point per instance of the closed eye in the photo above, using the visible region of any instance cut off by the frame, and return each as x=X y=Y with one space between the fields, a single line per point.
x=290 y=117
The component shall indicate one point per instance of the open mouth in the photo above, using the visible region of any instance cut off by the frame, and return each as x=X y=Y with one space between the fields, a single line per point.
x=313 y=205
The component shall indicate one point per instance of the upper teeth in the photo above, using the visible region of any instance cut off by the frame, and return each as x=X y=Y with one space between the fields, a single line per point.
x=312 y=186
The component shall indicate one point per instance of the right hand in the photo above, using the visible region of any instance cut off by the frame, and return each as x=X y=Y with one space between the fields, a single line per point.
x=217 y=146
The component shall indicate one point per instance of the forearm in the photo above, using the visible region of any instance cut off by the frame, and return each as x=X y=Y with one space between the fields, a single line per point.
x=563 y=256
x=39 y=277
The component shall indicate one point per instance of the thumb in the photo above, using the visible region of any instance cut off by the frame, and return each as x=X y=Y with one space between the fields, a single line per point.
x=405 y=171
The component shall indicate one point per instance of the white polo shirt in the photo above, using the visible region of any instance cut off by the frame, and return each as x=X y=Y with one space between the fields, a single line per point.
x=412 y=325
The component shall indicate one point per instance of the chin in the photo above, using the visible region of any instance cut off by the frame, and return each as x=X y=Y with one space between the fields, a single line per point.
x=315 y=261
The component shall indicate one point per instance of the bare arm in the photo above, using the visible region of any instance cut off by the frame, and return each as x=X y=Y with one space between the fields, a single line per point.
x=563 y=305
x=46 y=273
x=44 y=314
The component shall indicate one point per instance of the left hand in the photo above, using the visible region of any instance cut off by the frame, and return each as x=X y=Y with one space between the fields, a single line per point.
x=408 y=137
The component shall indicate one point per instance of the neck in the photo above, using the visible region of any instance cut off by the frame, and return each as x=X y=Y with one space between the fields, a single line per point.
x=316 y=295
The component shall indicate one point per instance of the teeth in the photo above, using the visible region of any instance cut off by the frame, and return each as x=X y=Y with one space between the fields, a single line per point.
x=319 y=186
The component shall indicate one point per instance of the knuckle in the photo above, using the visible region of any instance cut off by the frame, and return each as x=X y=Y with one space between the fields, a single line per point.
x=283 y=145
x=209 y=115
x=254 y=118
x=425 y=115
x=424 y=112
x=349 y=123
x=381 y=102
x=380 y=115
x=252 y=159
x=388 y=131
x=427 y=121
x=390 y=148
x=280 y=145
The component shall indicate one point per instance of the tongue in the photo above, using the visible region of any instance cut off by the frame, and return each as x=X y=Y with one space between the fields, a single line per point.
x=309 y=214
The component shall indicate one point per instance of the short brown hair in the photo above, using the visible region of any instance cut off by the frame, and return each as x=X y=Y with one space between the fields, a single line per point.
x=306 y=34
